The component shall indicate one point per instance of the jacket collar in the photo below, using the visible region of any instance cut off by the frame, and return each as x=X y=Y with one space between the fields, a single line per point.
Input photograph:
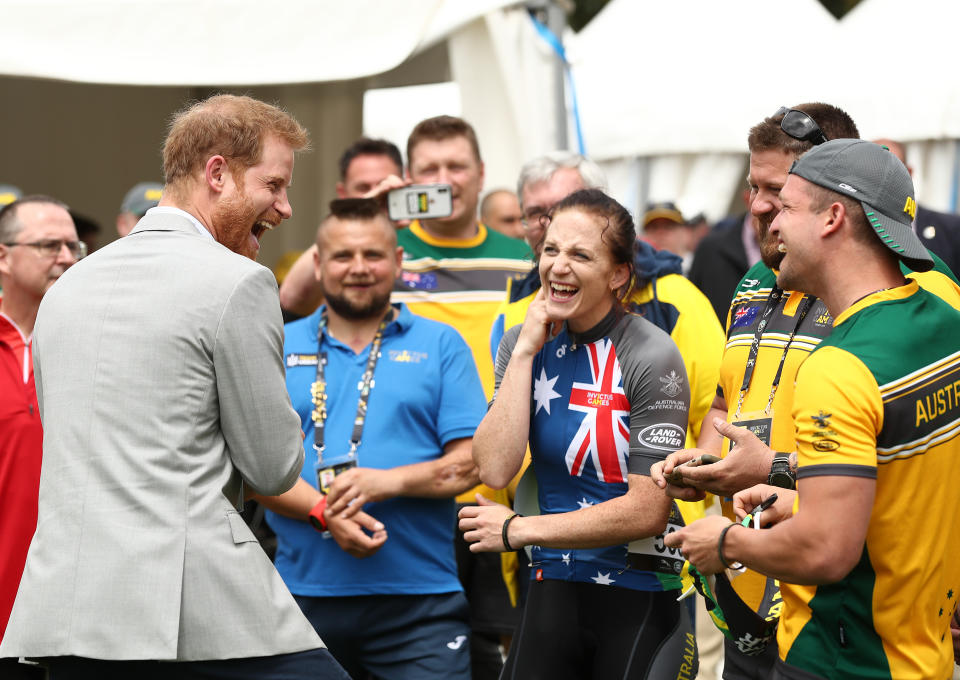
x=165 y=222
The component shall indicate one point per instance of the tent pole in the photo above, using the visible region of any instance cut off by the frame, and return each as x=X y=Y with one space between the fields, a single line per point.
x=557 y=22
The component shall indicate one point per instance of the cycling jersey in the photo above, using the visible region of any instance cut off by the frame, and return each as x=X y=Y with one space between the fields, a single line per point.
x=605 y=403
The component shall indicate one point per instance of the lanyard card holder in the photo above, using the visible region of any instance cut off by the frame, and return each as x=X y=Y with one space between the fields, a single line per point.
x=328 y=469
x=758 y=422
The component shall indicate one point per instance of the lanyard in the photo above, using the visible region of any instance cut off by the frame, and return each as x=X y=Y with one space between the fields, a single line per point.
x=318 y=391
x=776 y=294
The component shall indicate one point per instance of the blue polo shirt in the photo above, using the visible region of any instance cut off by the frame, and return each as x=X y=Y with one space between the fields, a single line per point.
x=426 y=393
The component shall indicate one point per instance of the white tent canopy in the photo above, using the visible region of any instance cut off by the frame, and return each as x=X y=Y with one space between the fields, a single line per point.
x=90 y=85
x=674 y=77
x=221 y=42
x=669 y=90
x=666 y=90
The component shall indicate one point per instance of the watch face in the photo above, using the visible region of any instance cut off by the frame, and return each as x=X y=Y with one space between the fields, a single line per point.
x=782 y=479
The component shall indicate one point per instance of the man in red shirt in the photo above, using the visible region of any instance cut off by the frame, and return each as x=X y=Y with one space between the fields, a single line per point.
x=38 y=242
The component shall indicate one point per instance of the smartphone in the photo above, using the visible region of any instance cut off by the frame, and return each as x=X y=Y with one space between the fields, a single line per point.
x=676 y=478
x=420 y=202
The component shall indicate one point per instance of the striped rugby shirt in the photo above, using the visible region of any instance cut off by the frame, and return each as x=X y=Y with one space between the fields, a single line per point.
x=461 y=283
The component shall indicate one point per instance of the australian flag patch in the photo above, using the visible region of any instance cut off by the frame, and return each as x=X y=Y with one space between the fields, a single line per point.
x=744 y=316
x=417 y=281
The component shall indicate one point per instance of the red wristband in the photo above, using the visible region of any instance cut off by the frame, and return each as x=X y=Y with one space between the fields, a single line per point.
x=316 y=515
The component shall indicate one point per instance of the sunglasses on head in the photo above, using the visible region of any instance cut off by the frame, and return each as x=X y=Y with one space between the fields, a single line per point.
x=800 y=126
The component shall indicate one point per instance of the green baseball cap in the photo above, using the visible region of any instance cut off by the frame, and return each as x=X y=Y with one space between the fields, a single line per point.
x=870 y=174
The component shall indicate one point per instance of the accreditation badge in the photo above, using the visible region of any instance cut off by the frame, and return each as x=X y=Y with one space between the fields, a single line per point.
x=758 y=422
x=327 y=473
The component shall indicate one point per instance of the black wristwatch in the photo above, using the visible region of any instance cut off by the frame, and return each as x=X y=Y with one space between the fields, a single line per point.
x=781 y=474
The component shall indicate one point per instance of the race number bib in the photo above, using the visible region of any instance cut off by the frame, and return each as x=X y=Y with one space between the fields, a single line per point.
x=651 y=554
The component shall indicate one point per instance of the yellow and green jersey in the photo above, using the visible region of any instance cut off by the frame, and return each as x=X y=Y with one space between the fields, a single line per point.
x=746 y=311
x=880 y=398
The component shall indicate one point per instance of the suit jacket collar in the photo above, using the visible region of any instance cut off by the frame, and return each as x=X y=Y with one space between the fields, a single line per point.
x=165 y=222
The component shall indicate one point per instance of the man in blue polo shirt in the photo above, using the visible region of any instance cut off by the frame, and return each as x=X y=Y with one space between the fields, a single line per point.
x=389 y=402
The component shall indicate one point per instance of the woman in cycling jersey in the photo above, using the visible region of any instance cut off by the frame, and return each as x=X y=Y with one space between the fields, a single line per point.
x=600 y=395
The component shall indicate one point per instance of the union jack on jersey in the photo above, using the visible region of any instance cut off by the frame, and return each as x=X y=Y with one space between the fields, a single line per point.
x=604 y=434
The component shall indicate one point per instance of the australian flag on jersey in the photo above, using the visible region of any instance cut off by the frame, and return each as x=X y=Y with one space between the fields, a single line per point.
x=580 y=442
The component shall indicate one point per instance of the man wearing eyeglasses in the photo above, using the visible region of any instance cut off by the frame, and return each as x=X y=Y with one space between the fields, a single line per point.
x=38 y=242
x=770 y=332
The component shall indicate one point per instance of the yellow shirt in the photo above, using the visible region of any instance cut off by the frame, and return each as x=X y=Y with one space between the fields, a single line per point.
x=880 y=398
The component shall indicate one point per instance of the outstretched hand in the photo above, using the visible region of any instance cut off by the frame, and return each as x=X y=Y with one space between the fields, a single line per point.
x=746 y=464
x=350 y=490
x=386 y=185
x=698 y=543
x=662 y=475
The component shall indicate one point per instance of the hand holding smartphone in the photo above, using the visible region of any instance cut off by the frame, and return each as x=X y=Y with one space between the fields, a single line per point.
x=420 y=202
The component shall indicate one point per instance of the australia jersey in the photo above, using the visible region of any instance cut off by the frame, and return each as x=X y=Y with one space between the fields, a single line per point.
x=745 y=314
x=460 y=283
x=880 y=399
x=605 y=404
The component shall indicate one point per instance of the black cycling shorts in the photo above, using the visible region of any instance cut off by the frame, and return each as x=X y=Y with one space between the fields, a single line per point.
x=583 y=630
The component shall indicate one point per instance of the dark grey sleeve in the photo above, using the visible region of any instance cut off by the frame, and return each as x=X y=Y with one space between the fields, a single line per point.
x=504 y=352
x=655 y=383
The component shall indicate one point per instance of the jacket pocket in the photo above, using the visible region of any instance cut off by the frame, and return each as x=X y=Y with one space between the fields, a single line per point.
x=241 y=532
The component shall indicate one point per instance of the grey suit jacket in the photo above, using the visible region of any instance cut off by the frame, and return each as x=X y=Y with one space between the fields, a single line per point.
x=161 y=384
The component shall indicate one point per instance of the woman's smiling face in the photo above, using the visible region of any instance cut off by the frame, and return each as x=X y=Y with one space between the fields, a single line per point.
x=577 y=269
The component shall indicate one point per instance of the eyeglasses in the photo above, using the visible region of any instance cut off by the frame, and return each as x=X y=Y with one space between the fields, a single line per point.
x=800 y=126
x=534 y=216
x=52 y=247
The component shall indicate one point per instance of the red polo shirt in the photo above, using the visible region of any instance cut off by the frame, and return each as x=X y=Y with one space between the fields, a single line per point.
x=21 y=445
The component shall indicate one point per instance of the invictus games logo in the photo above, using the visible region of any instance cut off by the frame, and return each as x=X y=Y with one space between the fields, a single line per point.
x=405 y=356
x=671 y=384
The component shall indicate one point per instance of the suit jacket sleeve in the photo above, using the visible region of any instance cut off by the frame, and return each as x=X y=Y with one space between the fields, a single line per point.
x=261 y=429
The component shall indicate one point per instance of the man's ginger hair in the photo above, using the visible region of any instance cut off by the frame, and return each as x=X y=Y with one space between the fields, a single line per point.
x=227 y=125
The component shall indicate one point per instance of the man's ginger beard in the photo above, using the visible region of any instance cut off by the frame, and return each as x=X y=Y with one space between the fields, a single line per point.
x=768 y=244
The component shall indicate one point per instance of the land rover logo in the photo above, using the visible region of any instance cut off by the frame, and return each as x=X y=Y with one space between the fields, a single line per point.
x=663 y=436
